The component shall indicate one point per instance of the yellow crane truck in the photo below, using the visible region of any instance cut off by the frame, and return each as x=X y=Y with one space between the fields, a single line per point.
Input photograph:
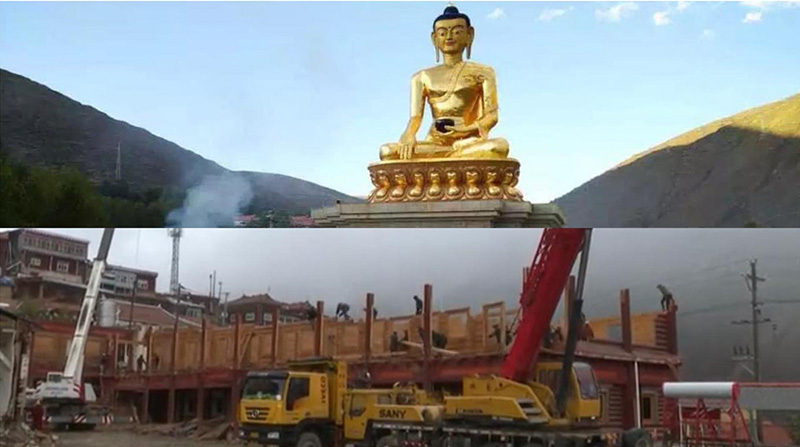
x=558 y=405
x=309 y=405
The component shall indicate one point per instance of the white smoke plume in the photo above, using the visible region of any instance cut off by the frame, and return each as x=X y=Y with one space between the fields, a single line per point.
x=213 y=203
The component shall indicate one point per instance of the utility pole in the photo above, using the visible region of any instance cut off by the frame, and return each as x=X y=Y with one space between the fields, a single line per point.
x=752 y=279
x=226 y=306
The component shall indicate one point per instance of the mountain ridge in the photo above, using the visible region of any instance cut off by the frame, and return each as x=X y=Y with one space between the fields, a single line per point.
x=43 y=127
x=737 y=171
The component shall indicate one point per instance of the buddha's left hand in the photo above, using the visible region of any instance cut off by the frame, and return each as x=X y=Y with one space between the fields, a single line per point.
x=460 y=128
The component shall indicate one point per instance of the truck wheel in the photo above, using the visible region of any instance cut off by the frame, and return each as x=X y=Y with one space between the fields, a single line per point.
x=387 y=441
x=309 y=439
x=637 y=438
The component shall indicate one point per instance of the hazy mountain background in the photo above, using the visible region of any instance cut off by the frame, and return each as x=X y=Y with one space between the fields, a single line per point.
x=41 y=127
x=738 y=171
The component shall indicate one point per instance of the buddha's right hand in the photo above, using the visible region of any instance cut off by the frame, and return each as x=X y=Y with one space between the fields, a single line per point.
x=407 y=143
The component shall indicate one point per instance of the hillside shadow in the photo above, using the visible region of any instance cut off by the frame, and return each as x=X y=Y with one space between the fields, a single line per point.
x=733 y=177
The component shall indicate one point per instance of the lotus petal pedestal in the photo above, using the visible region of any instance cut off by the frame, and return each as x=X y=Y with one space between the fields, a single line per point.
x=444 y=179
x=442 y=193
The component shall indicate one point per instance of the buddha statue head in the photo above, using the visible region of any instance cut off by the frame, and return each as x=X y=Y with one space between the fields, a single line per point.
x=452 y=33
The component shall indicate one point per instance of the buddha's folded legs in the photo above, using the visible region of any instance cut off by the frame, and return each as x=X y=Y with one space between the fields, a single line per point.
x=391 y=151
x=478 y=148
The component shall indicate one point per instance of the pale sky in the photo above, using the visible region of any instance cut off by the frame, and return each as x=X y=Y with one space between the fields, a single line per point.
x=466 y=267
x=312 y=89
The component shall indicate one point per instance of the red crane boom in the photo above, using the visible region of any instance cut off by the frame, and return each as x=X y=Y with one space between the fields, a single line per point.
x=558 y=249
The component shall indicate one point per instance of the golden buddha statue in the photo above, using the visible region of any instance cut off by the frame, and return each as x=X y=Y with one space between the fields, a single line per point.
x=457 y=160
x=462 y=96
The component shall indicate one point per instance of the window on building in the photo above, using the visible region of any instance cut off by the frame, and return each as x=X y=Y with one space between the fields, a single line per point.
x=250 y=317
x=142 y=284
x=649 y=408
x=62 y=266
x=267 y=317
x=35 y=262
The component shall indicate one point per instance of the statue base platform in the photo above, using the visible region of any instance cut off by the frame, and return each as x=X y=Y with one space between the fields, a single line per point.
x=444 y=179
x=441 y=214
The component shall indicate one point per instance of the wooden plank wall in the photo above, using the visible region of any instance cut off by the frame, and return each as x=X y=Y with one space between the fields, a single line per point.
x=50 y=350
x=466 y=333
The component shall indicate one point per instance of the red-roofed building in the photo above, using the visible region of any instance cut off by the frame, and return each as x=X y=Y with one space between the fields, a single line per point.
x=301 y=222
x=148 y=315
x=120 y=281
x=257 y=309
x=43 y=254
x=243 y=221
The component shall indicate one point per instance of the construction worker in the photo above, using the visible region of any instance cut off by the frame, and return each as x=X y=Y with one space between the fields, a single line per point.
x=311 y=314
x=438 y=340
x=418 y=303
x=364 y=380
x=342 y=310
x=587 y=333
x=667 y=301
x=140 y=363
x=103 y=363
x=374 y=312
x=37 y=414
x=509 y=335
x=394 y=342
x=496 y=333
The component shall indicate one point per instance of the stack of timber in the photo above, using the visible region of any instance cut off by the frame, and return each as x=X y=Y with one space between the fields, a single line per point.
x=208 y=430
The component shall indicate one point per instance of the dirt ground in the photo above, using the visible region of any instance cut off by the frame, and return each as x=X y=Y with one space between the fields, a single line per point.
x=99 y=438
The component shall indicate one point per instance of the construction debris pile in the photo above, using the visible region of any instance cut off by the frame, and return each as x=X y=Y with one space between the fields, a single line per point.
x=212 y=429
x=21 y=435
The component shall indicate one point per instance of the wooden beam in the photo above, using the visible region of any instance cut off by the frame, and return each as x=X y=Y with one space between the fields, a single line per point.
x=672 y=330
x=275 y=322
x=319 y=330
x=150 y=368
x=203 y=343
x=112 y=358
x=433 y=349
x=174 y=350
x=368 y=327
x=237 y=331
x=201 y=401
x=145 y=411
x=625 y=319
x=171 y=403
x=243 y=349
x=427 y=332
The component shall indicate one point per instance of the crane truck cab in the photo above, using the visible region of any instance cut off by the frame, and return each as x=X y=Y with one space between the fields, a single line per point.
x=309 y=405
x=299 y=406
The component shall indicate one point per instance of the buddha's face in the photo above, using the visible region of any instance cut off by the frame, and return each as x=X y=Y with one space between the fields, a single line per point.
x=451 y=36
